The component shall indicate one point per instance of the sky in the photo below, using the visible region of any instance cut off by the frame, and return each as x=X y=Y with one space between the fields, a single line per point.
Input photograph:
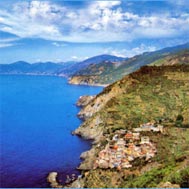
x=60 y=31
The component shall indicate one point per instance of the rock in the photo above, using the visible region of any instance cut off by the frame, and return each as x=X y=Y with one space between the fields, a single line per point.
x=90 y=129
x=84 y=100
x=86 y=165
x=168 y=185
x=87 y=154
x=98 y=103
x=89 y=157
x=77 y=183
x=89 y=133
x=82 y=80
x=53 y=181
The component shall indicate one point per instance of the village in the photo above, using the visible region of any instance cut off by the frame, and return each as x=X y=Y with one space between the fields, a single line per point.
x=125 y=146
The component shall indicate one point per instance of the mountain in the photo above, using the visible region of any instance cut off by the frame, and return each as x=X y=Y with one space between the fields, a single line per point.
x=99 y=70
x=121 y=155
x=93 y=60
x=61 y=69
x=107 y=72
x=100 y=58
x=45 y=68
x=181 y=57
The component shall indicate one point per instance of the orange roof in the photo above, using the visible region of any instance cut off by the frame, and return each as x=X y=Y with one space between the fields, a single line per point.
x=129 y=135
x=115 y=147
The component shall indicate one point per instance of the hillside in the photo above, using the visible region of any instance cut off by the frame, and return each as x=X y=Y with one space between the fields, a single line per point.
x=155 y=97
x=181 y=57
x=73 y=70
x=107 y=72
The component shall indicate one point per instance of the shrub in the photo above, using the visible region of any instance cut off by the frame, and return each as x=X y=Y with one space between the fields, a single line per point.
x=181 y=178
x=179 y=120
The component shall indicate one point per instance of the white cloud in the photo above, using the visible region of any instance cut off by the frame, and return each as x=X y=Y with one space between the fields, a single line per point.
x=59 y=44
x=33 y=19
x=76 y=58
x=104 y=4
x=130 y=52
x=8 y=42
x=101 y=21
x=4 y=45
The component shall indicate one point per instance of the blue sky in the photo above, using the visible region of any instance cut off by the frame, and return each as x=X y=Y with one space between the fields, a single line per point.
x=59 y=31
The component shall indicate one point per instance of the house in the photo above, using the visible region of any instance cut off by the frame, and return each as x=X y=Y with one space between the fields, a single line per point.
x=149 y=127
x=126 y=164
x=160 y=127
x=129 y=136
x=115 y=137
x=121 y=142
x=121 y=131
x=145 y=140
x=136 y=136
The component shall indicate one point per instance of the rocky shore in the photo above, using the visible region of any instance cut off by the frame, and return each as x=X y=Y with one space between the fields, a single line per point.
x=84 y=100
x=85 y=80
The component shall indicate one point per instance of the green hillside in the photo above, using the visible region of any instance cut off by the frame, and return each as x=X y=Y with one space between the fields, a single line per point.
x=157 y=94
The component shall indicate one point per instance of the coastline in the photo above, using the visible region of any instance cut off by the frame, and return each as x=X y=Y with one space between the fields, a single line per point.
x=92 y=129
x=92 y=85
x=86 y=157
x=88 y=129
x=62 y=75
x=87 y=91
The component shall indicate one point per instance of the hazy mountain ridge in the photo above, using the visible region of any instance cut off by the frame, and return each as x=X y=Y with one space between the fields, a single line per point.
x=46 y=68
x=108 y=72
x=73 y=70
x=102 y=69
x=61 y=69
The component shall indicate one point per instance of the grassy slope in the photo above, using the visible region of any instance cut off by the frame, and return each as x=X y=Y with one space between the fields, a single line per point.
x=181 y=57
x=155 y=93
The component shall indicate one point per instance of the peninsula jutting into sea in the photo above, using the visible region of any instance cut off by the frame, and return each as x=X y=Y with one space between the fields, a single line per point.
x=94 y=94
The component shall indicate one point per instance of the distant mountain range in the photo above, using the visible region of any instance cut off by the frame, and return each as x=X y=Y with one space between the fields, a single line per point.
x=102 y=69
x=21 y=67
x=108 y=72
x=51 y=68
x=74 y=69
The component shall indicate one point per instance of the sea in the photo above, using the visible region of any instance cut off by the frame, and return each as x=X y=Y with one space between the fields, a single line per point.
x=37 y=116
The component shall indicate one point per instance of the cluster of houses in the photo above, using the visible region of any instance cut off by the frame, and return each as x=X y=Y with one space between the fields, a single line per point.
x=126 y=146
x=149 y=127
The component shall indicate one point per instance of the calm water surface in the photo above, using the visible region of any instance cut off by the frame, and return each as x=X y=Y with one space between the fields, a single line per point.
x=37 y=115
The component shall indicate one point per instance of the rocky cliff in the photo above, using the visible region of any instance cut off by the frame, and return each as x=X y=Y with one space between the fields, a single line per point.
x=85 y=80
x=84 y=100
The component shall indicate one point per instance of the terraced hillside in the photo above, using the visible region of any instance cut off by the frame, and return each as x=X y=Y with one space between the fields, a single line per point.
x=155 y=94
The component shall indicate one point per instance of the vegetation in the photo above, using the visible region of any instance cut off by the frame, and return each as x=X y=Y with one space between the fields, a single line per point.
x=153 y=93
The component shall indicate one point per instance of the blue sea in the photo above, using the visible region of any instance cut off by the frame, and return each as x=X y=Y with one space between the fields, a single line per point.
x=37 y=115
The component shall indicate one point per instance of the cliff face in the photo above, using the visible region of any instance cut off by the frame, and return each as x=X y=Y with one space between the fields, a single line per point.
x=84 y=100
x=152 y=94
x=101 y=100
x=82 y=80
